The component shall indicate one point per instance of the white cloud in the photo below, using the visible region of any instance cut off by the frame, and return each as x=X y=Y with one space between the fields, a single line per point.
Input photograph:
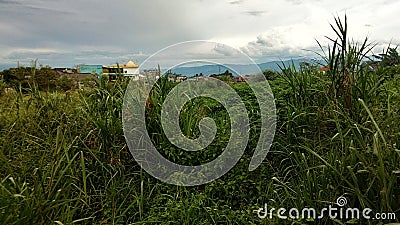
x=282 y=43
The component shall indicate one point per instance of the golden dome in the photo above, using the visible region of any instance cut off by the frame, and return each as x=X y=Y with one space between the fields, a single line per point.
x=131 y=64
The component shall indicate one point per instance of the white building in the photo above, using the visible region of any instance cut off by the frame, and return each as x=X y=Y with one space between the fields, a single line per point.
x=131 y=69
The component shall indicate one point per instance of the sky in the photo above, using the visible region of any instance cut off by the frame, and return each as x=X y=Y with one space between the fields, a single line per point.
x=65 y=33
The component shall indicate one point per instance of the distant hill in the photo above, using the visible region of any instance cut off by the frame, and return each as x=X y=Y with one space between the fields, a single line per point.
x=207 y=70
x=5 y=66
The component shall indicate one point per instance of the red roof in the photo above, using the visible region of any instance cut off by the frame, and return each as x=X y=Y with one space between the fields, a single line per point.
x=324 y=68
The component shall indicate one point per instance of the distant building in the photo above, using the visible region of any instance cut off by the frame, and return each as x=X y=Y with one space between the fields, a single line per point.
x=90 y=69
x=131 y=69
x=127 y=70
x=62 y=70
x=198 y=78
x=114 y=69
x=238 y=79
x=324 y=69
x=180 y=78
x=175 y=77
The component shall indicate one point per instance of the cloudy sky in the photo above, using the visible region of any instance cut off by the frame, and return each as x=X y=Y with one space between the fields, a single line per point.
x=71 y=32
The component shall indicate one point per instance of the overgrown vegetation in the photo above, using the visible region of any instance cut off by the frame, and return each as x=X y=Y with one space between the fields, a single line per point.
x=63 y=157
x=42 y=78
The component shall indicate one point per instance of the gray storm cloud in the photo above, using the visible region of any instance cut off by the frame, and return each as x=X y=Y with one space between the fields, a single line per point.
x=61 y=32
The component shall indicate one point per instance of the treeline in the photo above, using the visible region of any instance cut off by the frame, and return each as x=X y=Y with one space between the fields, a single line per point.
x=43 y=78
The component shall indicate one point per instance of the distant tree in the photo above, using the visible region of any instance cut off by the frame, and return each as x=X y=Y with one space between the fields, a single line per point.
x=45 y=78
x=270 y=75
x=17 y=77
x=65 y=84
x=225 y=76
x=388 y=62
x=9 y=76
x=2 y=86
x=389 y=58
x=227 y=73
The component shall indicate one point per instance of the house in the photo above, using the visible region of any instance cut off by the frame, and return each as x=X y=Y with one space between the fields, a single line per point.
x=238 y=79
x=324 y=69
x=180 y=78
x=62 y=70
x=199 y=78
x=172 y=77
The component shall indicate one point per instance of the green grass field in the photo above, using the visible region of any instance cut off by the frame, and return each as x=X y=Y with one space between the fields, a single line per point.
x=64 y=160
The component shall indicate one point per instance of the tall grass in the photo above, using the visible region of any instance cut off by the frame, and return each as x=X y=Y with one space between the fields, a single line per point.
x=336 y=142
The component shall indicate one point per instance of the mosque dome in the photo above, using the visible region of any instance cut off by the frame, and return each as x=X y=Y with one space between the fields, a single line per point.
x=131 y=64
